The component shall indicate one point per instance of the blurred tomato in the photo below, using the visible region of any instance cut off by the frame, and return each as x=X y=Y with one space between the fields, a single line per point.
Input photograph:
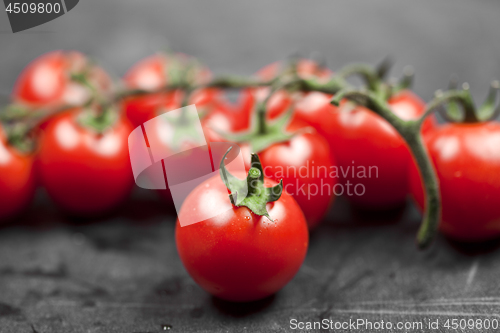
x=84 y=171
x=17 y=179
x=282 y=100
x=46 y=82
x=157 y=72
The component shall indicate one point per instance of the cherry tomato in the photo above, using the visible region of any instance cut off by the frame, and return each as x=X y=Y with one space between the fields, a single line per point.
x=466 y=158
x=281 y=101
x=46 y=82
x=154 y=73
x=238 y=255
x=85 y=172
x=306 y=167
x=362 y=141
x=17 y=179
x=222 y=118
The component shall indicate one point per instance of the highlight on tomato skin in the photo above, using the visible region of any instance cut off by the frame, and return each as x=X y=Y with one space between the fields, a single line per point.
x=467 y=162
x=281 y=100
x=153 y=74
x=85 y=172
x=360 y=138
x=47 y=83
x=238 y=255
x=17 y=179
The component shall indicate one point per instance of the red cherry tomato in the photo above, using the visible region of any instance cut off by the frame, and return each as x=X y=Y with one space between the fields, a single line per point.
x=466 y=158
x=46 y=82
x=17 y=179
x=222 y=119
x=361 y=140
x=238 y=255
x=280 y=101
x=152 y=74
x=306 y=167
x=85 y=172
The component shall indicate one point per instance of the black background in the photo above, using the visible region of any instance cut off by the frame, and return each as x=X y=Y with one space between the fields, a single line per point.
x=122 y=274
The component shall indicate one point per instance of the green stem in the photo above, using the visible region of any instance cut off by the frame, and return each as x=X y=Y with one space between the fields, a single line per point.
x=366 y=72
x=262 y=106
x=252 y=179
x=461 y=97
x=82 y=79
x=487 y=111
x=235 y=82
x=331 y=87
x=410 y=131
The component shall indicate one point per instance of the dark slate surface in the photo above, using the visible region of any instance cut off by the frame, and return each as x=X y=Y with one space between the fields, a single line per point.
x=122 y=273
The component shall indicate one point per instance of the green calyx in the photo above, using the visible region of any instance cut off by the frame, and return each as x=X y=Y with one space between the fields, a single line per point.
x=375 y=78
x=457 y=106
x=19 y=138
x=250 y=192
x=98 y=119
x=264 y=133
x=183 y=73
x=184 y=128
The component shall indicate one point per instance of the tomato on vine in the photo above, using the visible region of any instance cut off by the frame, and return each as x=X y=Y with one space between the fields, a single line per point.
x=252 y=249
x=295 y=153
x=282 y=100
x=466 y=158
x=361 y=140
x=83 y=160
x=52 y=81
x=162 y=81
x=17 y=178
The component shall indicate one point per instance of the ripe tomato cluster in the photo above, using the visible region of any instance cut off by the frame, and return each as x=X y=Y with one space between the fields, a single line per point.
x=307 y=136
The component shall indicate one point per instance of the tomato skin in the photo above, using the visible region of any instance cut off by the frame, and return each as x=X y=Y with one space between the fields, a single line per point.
x=237 y=255
x=223 y=118
x=17 y=179
x=85 y=173
x=151 y=74
x=46 y=82
x=360 y=138
x=281 y=100
x=305 y=165
x=467 y=162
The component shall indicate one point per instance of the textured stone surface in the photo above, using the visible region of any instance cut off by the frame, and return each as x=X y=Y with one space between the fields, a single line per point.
x=123 y=274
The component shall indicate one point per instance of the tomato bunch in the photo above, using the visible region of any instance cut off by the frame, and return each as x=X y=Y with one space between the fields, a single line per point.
x=306 y=136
